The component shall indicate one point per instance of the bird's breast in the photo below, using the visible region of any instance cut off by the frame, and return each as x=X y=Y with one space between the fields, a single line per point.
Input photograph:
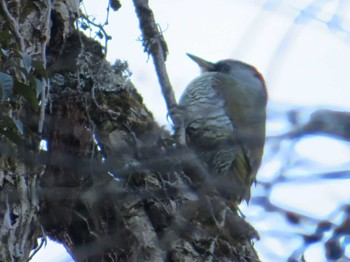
x=205 y=117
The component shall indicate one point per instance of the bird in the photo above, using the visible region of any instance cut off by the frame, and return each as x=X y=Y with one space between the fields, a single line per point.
x=224 y=116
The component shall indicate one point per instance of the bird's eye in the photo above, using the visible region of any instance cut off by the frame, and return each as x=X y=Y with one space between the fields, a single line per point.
x=222 y=67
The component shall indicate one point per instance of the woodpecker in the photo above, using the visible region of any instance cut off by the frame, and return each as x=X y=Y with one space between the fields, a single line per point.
x=224 y=113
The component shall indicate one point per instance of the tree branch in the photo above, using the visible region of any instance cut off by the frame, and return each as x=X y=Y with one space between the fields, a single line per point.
x=45 y=88
x=156 y=46
x=13 y=23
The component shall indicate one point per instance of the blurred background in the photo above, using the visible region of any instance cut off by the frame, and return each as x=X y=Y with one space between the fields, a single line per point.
x=301 y=202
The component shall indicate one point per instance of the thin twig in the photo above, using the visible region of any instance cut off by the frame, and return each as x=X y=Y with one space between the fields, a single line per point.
x=35 y=251
x=155 y=46
x=45 y=88
x=100 y=27
x=13 y=23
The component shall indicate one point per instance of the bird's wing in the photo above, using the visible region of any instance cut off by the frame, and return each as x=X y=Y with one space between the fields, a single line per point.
x=249 y=127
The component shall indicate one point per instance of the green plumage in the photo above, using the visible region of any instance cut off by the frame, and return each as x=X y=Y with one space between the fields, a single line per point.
x=225 y=114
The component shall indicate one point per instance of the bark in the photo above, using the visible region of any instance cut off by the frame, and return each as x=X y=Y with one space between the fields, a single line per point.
x=112 y=185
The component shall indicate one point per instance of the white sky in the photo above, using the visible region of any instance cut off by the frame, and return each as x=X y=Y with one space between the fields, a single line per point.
x=304 y=63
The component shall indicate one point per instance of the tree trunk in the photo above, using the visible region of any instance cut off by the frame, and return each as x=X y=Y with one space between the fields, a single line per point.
x=111 y=184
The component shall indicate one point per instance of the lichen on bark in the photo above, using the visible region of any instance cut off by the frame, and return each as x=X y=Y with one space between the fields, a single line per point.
x=111 y=185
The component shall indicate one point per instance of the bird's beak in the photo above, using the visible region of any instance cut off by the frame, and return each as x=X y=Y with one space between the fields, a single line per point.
x=203 y=64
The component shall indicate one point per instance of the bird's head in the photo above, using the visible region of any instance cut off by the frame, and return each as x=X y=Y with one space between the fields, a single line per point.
x=244 y=74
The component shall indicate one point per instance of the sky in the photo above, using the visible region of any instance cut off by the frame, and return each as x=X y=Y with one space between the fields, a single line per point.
x=304 y=63
x=300 y=46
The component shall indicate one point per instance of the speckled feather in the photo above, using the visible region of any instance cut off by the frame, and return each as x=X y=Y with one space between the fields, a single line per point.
x=223 y=127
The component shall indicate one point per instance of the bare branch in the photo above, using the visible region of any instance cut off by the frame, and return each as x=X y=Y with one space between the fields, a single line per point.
x=13 y=23
x=107 y=37
x=155 y=45
x=324 y=121
x=45 y=88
